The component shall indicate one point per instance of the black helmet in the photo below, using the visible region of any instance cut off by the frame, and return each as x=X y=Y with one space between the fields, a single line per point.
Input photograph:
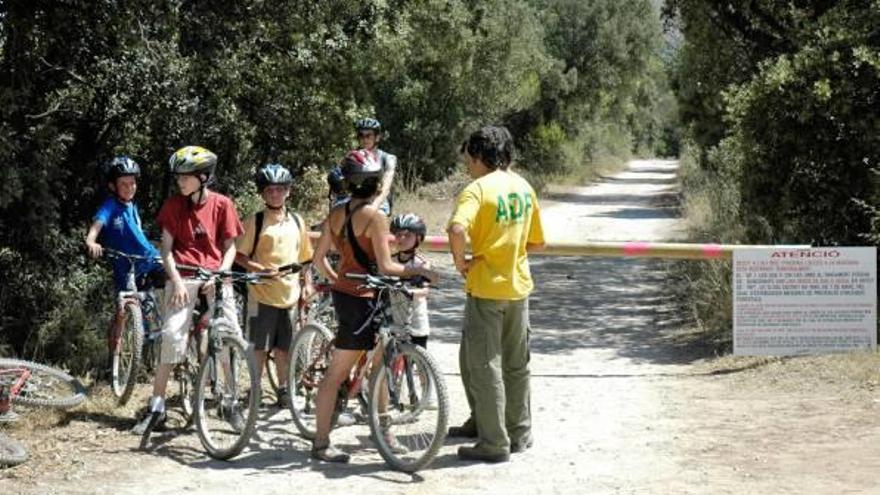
x=360 y=165
x=272 y=174
x=120 y=167
x=336 y=180
x=410 y=222
x=368 y=123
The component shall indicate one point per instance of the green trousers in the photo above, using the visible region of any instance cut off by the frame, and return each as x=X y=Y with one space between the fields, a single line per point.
x=494 y=360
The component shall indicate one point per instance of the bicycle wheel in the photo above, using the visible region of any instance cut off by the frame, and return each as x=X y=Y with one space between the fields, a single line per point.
x=12 y=452
x=321 y=311
x=309 y=359
x=46 y=387
x=239 y=298
x=186 y=374
x=227 y=396
x=126 y=359
x=409 y=433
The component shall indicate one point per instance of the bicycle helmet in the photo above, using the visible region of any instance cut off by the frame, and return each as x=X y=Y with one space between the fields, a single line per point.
x=272 y=174
x=193 y=160
x=410 y=222
x=336 y=180
x=360 y=165
x=369 y=124
x=120 y=166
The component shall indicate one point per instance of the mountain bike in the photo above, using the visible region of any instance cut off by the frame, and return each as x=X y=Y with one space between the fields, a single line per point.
x=32 y=384
x=129 y=335
x=406 y=401
x=226 y=391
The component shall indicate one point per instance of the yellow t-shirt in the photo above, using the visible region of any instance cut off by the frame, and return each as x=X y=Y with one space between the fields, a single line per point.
x=281 y=243
x=500 y=214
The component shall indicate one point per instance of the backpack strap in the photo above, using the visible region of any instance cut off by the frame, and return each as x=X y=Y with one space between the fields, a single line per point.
x=258 y=220
x=348 y=231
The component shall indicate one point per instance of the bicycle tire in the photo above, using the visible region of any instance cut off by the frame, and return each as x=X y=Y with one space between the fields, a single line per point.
x=186 y=375
x=126 y=359
x=12 y=452
x=218 y=403
x=309 y=359
x=423 y=438
x=39 y=389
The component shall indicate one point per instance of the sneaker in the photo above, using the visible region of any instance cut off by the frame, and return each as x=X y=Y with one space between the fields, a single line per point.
x=467 y=430
x=236 y=420
x=328 y=453
x=345 y=419
x=141 y=426
x=431 y=404
x=477 y=453
x=283 y=397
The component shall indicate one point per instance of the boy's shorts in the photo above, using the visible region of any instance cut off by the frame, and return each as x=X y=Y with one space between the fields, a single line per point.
x=270 y=327
x=178 y=320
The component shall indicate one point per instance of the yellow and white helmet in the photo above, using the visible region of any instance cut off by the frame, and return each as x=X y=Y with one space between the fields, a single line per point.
x=193 y=160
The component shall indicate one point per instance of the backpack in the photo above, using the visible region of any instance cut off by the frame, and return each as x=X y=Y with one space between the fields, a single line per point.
x=258 y=229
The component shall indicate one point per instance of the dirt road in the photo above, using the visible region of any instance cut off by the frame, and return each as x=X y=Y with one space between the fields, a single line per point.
x=619 y=404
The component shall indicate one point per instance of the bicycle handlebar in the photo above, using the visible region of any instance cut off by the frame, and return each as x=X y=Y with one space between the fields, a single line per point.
x=113 y=253
x=248 y=277
x=389 y=282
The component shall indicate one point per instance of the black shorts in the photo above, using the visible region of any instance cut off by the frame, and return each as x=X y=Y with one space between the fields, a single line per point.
x=271 y=328
x=352 y=312
x=421 y=341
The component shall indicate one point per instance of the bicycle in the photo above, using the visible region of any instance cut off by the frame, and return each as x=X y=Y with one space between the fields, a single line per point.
x=318 y=307
x=127 y=337
x=400 y=390
x=227 y=384
x=32 y=384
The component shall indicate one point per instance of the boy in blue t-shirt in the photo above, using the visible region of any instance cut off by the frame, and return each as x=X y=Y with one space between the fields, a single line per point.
x=119 y=226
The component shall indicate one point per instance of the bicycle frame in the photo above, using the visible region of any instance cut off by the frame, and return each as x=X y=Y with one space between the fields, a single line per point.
x=129 y=296
x=12 y=391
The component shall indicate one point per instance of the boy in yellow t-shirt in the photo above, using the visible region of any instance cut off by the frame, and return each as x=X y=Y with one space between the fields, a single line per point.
x=282 y=240
x=499 y=212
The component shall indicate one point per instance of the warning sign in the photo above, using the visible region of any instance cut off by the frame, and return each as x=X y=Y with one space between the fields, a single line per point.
x=804 y=301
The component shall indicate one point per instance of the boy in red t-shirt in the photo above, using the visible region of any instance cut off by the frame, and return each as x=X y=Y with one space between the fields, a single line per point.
x=199 y=228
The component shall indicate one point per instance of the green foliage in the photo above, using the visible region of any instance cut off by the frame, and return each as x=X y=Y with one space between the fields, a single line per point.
x=783 y=102
x=259 y=81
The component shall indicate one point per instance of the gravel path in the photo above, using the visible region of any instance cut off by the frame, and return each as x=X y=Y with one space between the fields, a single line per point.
x=619 y=405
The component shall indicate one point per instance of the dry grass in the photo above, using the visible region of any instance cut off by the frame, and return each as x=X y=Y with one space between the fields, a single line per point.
x=853 y=375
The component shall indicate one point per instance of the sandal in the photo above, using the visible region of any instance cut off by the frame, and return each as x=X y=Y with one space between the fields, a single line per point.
x=328 y=453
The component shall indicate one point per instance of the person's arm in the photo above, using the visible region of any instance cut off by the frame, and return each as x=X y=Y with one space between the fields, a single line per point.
x=95 y=249
x=325 y=243
x=387 y=182
x=467 y=205
x=228 y=254
x=457 y=244
x=179 y=296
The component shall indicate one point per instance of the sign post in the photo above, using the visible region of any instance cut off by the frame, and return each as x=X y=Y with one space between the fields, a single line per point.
x=804 y=301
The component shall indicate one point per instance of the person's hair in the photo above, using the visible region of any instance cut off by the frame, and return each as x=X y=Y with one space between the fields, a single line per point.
x=365 y=189
x=491 y=144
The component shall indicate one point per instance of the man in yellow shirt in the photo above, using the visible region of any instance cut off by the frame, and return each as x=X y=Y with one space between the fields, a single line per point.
x=499 y=212
x=282 y=240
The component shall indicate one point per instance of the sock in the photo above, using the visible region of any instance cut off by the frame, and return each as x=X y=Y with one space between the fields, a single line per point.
x=157 y=404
